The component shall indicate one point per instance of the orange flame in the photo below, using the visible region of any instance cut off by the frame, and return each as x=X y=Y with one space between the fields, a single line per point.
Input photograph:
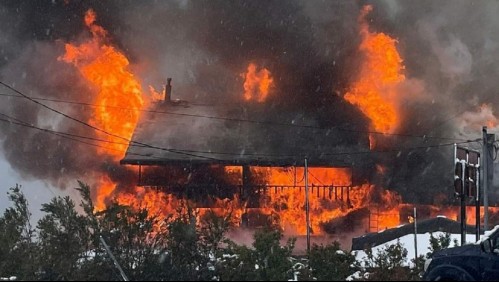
x=284 y=198
x=119 y=92
x=289 y=204
x=375 y=92
x=156 y=203
x=164 y=206
x=257 y=84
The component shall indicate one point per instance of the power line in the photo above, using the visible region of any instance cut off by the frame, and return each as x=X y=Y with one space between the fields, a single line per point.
x=74 y=136
x=65 y=135
x=96 y=128
x=185 y=152
x=70 y=136
x=399 y=149
x=232 y=119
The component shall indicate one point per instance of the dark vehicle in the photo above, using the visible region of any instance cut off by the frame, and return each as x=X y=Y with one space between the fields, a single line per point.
x=474 y=262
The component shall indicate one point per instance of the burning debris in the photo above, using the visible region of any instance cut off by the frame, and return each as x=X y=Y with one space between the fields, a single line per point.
x=257 y=88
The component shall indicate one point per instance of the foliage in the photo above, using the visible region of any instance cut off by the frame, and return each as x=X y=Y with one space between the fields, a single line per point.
x=331 y=263
x=67 y=245
x=438 y=243
x=63 y=233
x=267 y=260
x=417 y=270
x=387 y=265
x=17 y=248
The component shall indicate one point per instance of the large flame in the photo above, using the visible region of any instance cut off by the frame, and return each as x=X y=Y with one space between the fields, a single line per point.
x=331 y=196
x=118 y=94
x=257 y=83
x=375 y=91
x=289 y=203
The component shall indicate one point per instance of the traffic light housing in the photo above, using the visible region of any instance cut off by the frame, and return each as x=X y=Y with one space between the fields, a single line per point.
x=458 y=178
x=471 y=180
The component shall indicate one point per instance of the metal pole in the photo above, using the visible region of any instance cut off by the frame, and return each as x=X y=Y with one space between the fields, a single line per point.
x=477 y=198
x=123 y=275
x=415 y=235
x=462 y=192
x=485 y=173
x=463 y=200
x=307 y=206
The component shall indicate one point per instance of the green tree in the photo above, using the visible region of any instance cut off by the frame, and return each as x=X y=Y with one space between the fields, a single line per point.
x=64 y=240
x=438 y=243
x=17 y=248
x=273 y=259
x=388 y=264
x=184 y=258
x=331 y=263
x=267 y=260
x=135 y=238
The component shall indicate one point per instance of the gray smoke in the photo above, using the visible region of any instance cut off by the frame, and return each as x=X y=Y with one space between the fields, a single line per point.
x=311 y=48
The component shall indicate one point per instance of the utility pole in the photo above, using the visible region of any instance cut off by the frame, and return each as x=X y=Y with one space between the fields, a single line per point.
x=463 y=214
x=108 y=250
x=477 y=197
x=307 y=207
x=460 y=164
x=485 y=158
x=415 y=235
x=488 y=172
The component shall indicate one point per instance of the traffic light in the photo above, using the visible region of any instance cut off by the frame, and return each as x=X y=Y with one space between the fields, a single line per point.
x=471 y=180
x=458 y=178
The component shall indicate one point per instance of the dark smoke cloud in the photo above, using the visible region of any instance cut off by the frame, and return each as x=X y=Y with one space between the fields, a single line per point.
x=311 y=48
x=454 y=61
x=31 y=45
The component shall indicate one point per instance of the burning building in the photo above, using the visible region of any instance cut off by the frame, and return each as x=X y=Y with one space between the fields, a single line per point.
x=191 y=150
x=363 y=92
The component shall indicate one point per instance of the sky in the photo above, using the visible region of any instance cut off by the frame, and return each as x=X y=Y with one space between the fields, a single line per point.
x=36 y=191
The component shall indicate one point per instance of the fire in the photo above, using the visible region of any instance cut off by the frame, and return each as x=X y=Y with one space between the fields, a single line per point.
x=474 y=120
x=119 y=93
x=155 y=95
x=331 y=196
x=289 y=203
x=375 y=92
x=166 y=206
x=156 y=203
x=105 y=191
x=454 y=213
x=257 y=83
x=488 y=113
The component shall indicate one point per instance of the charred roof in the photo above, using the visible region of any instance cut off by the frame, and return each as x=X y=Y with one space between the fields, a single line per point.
x=177 y=132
